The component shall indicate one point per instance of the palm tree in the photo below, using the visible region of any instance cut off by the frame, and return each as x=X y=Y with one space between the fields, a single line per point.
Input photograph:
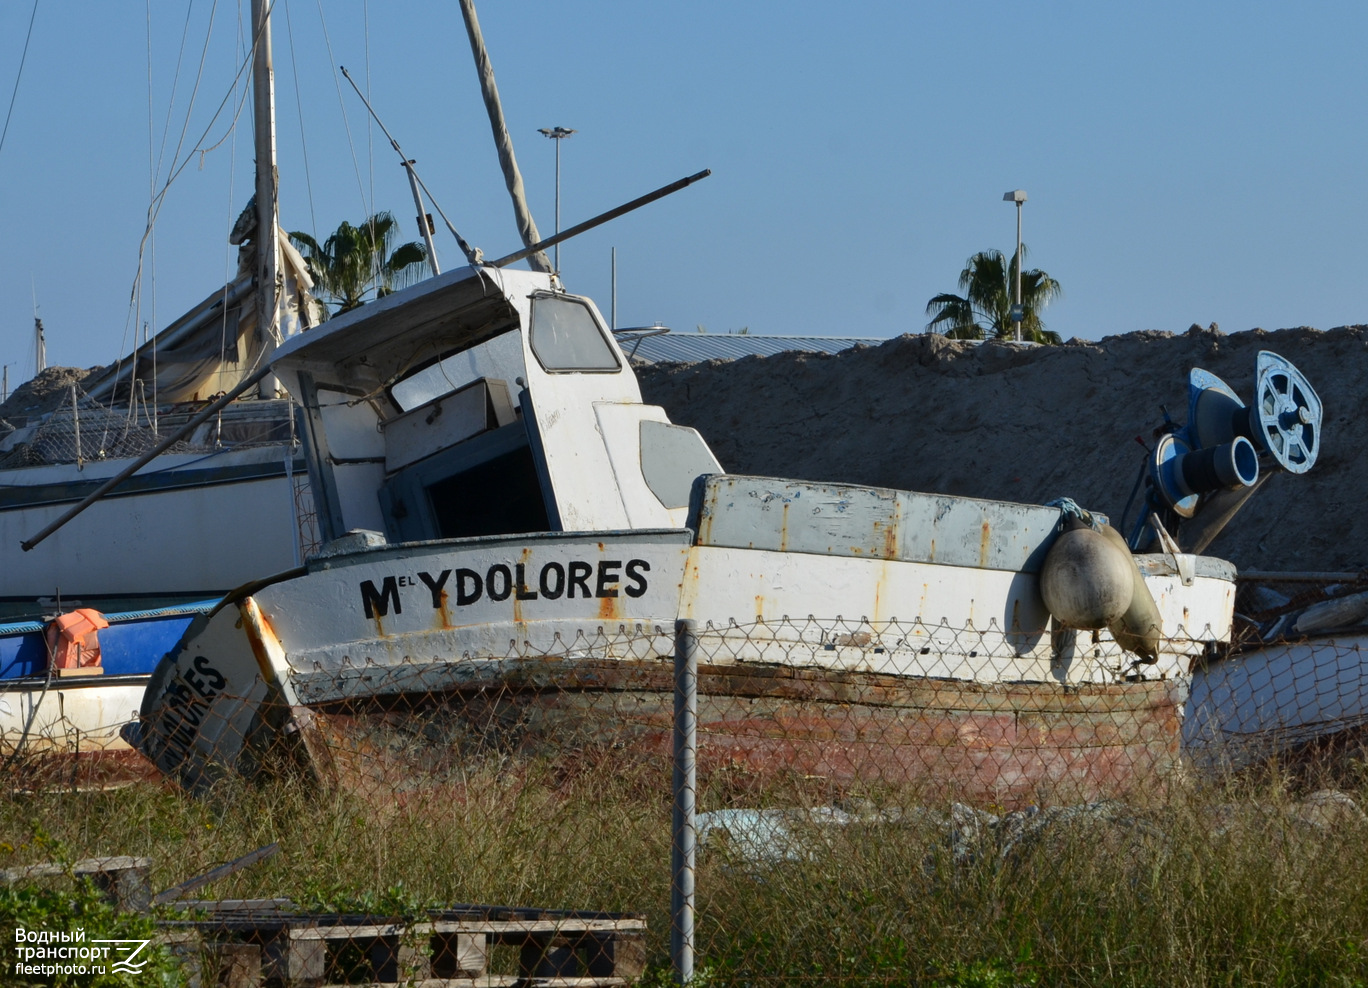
x=984 y=311
x=356 y=259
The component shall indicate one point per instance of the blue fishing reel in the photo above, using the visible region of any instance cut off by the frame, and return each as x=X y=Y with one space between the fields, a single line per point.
x=1224 y=443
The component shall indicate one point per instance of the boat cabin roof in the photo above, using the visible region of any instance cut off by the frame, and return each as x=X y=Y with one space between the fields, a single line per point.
x=376 y=343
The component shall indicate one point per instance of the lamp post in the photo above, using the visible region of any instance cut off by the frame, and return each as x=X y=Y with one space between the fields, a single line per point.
x=557 y=134
x=1018 y=311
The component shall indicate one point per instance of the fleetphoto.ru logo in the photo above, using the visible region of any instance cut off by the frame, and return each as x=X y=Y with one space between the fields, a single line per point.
x=68 y=952
x=126 y=953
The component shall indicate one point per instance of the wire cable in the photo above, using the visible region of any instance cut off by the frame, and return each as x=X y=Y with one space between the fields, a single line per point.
x=342 y=104
x=19 y=75
x=299 y=109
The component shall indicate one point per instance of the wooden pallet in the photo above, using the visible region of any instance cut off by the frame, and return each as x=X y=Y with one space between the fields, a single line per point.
x=123 y=879
x=249 y=943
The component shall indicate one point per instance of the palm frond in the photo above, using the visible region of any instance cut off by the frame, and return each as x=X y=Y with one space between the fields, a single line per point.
x=988 y=282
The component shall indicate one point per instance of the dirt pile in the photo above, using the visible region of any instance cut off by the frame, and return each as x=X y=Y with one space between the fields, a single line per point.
x=49 y=389
x=1030 y=424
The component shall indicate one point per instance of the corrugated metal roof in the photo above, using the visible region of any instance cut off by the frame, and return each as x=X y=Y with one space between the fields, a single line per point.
x=690 y=347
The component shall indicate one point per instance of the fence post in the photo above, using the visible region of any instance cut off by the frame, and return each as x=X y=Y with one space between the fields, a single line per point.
x=683 y=834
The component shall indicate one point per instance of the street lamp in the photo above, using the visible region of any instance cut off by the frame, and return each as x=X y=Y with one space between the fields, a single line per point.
x=1018 y=311
x=557 y=134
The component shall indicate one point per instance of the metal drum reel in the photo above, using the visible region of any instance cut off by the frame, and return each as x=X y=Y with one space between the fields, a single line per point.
x=1224 y=440
x=1286 y=414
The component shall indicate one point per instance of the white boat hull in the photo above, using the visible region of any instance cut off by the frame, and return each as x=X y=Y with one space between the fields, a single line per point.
x=310 y=670
x=1288 y=700
x=193 y=527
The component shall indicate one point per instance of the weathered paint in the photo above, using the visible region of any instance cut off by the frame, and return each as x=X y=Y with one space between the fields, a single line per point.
x=842 y=519
x=796 y=585
x=307 y=641
x=1011 y=745
x=82 y=714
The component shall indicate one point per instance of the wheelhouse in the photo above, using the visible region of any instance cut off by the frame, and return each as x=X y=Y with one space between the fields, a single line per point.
x=484 y=403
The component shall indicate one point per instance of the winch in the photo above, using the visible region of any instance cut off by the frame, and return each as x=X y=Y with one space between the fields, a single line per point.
x=1220 y=457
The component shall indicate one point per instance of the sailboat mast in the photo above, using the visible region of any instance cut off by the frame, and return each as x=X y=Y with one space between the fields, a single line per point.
x=39 y=347
x=267 y=192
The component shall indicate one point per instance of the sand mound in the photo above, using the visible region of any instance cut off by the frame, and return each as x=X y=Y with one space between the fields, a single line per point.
x=40 y=395
x=1030 y=424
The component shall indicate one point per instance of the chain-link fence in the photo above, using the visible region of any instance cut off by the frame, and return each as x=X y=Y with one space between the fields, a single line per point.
x=894 y=802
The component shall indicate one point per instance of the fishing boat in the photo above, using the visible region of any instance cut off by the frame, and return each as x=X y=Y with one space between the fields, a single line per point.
x=68 y=686
x=511 y=535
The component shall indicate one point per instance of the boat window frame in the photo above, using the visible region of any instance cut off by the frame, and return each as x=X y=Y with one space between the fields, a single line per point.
x=416 y=369
x=594 y=318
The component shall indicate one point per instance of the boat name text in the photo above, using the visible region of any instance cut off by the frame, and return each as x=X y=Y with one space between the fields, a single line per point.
x=574 y=578
x=188 y=698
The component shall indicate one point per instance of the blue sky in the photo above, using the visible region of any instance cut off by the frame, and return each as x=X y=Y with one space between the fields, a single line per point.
x=1185 y=162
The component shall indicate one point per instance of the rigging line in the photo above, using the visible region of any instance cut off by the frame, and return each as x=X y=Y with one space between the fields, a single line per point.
x=137 y=277
x=370 y=131
x=175 y=79
x=299 y=108
x=472 y=255
x=161 y=196
x=194 y=92
x=154 y=208
x=342 y=104
x=19 y=75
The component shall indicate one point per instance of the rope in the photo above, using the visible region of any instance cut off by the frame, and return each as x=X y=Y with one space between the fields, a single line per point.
x=1069 y=508
x=19 y=75
x=299 y=110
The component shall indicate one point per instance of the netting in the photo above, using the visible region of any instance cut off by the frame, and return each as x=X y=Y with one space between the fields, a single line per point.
x=91 y=431
x=877 y=803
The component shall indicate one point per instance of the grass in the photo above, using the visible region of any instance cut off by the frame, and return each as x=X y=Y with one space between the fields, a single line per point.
x=1202 y=886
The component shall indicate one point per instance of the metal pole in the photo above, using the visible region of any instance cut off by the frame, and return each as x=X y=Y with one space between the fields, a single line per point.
x=557 y=134
x=422 y=218
x=267 y=204
x=602 y=218
x=613 y=318
x=556 y=261
x=683 y=833
x=1018 y=271
x=503 y=143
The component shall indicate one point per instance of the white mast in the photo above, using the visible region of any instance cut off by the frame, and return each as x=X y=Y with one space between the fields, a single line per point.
x=39 y=347
x=267 y=201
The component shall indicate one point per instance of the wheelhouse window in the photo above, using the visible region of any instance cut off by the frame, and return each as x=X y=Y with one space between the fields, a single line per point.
x=566 y=337
x=499 y=358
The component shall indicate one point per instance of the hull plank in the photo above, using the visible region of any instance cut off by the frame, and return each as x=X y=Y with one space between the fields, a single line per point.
x=1011 y=744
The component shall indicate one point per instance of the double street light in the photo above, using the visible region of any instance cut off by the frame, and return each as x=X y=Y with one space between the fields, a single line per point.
x=557 y=134
x=1018 y=311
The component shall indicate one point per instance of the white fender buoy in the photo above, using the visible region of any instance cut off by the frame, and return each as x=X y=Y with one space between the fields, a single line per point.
x=1086 y=580
x=1138 y=630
